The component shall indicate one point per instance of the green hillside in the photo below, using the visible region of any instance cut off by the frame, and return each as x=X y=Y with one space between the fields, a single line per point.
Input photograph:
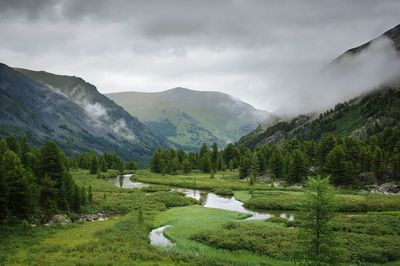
x=72 y=112
x=189 y=118
x=359 y=117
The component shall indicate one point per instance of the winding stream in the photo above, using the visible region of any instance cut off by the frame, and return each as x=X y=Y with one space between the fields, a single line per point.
x=157 y=237
x=212 y=200
x=209 y=200
x=124 y=181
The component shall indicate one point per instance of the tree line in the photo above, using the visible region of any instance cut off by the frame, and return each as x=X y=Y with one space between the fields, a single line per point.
x=35 y=182
x=347 y=160
x=97 y=163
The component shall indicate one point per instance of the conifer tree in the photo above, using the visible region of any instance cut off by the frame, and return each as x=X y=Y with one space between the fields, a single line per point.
x=214 y=157
x=94 y=165
x=319 y=212
x=276 y=163
x=21 y=198
x=255 y=166
x=206 y=164
x=90 y=194
x=298 y=169
x=186 y=166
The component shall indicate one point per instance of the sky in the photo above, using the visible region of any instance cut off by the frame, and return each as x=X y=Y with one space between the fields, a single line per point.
x=267 y=53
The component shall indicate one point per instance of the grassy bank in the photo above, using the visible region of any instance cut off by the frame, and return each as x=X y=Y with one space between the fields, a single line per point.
x=188 y=221
x=202 y=236
x=374 y=237
x=292 y=200
x=221 y=180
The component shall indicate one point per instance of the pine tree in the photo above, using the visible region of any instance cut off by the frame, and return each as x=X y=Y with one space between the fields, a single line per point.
x=230 y=165
x=50 y=163
x=339 y=168
x=206 y=164
x=90 y=194
x=140 y=216
x=94 y=166
x=214 y=157
x=76 y=204
x=186 y=166
x=377 y=162
x=255 y=166
x=83 y=196
x=48 y=194
x=298 y=169
x=21 y=198
x=245 y=165
x=174 y=166
x=3 y=191
x=12 y=144
x=396 y=165
x=103 y=165
x=276 y=163
x=319 y=210
x=203 y=150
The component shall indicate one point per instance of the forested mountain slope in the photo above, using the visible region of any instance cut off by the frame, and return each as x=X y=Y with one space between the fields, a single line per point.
x=360 y=117
x=72 y=112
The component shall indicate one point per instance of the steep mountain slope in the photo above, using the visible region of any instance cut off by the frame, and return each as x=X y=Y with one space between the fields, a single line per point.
x=189 y=117
x=393 y=34
x=360 y=116
x=74 y=114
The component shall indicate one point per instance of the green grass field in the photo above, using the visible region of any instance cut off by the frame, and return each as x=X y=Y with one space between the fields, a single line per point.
x=202 y=236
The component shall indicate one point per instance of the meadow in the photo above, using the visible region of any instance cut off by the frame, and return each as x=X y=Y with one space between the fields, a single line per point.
x=200 y=235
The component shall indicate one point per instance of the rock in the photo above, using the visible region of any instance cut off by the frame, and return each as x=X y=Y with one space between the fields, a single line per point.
x=60 y=219
x=390 y=188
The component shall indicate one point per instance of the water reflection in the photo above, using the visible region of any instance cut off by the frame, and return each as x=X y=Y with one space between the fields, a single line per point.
x=212 y=200
x=124 y=181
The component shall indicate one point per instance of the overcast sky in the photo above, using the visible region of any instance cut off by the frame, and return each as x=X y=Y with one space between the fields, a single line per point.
x=249 y=49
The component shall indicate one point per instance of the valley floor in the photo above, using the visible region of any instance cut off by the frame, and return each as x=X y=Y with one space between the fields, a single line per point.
x=201 y=235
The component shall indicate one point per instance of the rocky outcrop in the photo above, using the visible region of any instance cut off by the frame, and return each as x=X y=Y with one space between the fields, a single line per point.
x=389 y=188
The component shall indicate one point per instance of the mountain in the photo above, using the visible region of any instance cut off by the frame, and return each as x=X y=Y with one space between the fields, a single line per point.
x=393 y=34
x=189 y=118
x=72 y=112
x=361 y=116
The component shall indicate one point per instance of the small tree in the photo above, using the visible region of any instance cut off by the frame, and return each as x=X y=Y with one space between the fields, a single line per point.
x=212 y=174
x=94 y=166
x=90 y=195
x=186 y=166
x=140 y=216
x=319 y=212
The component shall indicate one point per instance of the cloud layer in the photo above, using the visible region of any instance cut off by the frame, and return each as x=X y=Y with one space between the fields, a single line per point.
x=258 y=51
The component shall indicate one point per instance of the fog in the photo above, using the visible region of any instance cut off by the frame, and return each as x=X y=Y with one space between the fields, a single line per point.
x=349 y=76
x=268 y=53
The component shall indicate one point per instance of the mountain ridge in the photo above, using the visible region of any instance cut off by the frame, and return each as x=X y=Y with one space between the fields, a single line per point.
x=190 y=117
x=30 y=106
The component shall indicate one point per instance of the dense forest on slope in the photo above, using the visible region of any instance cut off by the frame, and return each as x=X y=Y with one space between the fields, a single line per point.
x=71 y=111
x=347 y=160
x=360 y=117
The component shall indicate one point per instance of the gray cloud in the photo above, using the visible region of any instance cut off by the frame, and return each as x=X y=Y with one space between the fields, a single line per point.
x=259 y=51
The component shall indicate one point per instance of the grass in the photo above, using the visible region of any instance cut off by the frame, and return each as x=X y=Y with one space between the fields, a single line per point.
x=188 y=221
x=373 y=237
x=292 y=200
x=221 y=180
x=202 y=236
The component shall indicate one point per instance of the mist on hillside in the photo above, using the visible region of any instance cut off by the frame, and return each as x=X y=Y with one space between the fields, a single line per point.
x=347 y=77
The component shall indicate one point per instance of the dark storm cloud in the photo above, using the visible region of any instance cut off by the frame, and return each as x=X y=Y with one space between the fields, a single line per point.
x=259 y=51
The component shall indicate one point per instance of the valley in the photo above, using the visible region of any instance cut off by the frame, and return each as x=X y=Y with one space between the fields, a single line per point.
x=199 y=234
x=264 y=151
